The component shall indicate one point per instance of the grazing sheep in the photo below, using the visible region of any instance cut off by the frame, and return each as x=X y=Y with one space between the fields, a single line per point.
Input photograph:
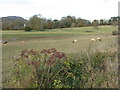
x=74 y=41
x=92 y=40
x=99 y=39
x=5 y=42
x=22 y=41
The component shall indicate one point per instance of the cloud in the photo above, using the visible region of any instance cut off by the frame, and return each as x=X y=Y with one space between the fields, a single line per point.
x=15 y=2
x=55 y=9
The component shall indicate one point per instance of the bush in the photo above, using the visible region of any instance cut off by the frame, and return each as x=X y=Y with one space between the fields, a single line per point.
x=88 y=31
x=53 y=69
x=27 y=28
x=38 y=68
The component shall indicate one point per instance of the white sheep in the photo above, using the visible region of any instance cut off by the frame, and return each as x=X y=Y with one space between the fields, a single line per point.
x=5 y=42
x=99 y=39
x=22 y=41
x=74 y=41
x=93 y=40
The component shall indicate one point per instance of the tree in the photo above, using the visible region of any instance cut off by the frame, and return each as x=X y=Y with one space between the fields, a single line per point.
x=69 y=21
x=49 y=24
x=82 y=22
x=37 y=23
x=66 y=22
x=73 y=25
x=109 y=22
x=27 y=28
x=95 y=24
x=55 y=23
x=103 y=22
x=114 y=21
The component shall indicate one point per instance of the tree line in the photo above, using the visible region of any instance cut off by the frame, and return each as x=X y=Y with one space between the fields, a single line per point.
x=39 y=23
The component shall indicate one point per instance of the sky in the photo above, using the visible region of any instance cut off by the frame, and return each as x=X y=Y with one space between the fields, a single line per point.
x=55 y=9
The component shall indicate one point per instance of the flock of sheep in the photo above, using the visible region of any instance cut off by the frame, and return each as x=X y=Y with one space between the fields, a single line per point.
x=5 y=42
x=92 y=40
x=98 y=39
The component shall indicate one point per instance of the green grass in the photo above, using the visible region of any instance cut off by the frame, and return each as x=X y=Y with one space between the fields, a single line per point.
x=59 y=32
x=61 y=39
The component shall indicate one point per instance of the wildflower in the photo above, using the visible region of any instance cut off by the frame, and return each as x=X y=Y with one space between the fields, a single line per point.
x=44 y=51
x=23 y=55
x=50 y=62
x=34 y=52
x=52 y=50
x=24 y=51
x=35 y=64
x=60 y=55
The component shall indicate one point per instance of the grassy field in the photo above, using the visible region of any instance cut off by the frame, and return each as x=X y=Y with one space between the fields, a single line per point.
x=61 y=39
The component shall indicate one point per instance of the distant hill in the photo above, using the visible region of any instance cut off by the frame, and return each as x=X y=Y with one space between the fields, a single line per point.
x=13 y=22
x=12 y=18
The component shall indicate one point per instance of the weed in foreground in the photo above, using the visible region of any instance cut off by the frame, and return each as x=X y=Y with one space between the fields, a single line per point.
x=53 y=69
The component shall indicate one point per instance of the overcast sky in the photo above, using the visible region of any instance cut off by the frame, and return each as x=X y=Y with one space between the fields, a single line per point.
x=55 y=9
